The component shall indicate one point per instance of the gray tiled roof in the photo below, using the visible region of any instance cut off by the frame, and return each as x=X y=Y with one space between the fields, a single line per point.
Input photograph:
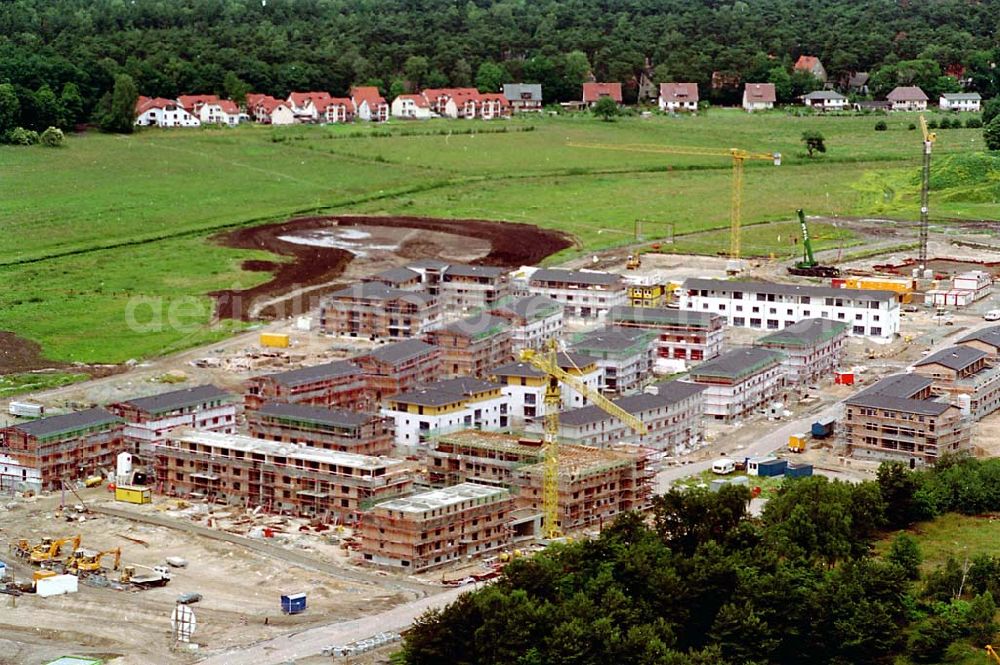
x=179 y=399
x=530 y=307
x=70 y=422
x=662 y=315
x=478 y=325
x=738 y=364
x=567 y=361
x=395 y=276
x=297 y=377
x=634 y=404
x=315 y=414
x=402 y=351
x=513 y=91
x=787 y=289
x=824 y=94
x=896 y=393
x=613 y=338
x=464 y=385
x=574 y=277
x=962 y=96
x=954 y=357
x=462 y=270
x=990 y=335
x=378 y=291
x=805 y=332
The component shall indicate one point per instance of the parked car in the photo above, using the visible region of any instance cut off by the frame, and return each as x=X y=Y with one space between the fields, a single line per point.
x=992 y=315
x=189 y=598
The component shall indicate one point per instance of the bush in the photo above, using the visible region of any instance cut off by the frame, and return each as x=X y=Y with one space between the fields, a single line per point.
x=22 y=136
x=973 y=123
x=933 y=124
x=52 y=137
x=912 y=126
x=880 y=126
x=991 y=134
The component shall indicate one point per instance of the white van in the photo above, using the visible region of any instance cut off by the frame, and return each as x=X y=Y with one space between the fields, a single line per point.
x=992 y=315
x=723 y=466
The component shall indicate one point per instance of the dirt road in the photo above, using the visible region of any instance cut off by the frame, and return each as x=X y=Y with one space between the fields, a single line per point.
x=311 y=642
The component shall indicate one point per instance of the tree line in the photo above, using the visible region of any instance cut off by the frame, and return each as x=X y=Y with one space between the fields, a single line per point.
x=172 y=47
x=702 y=583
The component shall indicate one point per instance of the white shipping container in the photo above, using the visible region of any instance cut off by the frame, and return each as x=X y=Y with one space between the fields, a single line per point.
x=26 y=409
x=56 y=585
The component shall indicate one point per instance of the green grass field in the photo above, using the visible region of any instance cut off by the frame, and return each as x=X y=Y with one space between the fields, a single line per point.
x=110 y=218
x=16 y=384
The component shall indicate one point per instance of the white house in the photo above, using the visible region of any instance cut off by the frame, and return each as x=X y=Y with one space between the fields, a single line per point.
x=758 y=97
x=766 y=306
x=305 y=105
x=369 y=105
x=534 y=320
x=221 y=112
x=160 y=112
x=412 y=107
x=678 y=97
x=583 y=294
x=825 y=100
x=524 y=386
x=446 y=406
x=907 y=98
x=965 y=101
x=336 y=109
x=738 y=382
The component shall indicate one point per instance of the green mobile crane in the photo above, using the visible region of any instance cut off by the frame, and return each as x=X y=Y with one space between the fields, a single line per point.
x=809 y=266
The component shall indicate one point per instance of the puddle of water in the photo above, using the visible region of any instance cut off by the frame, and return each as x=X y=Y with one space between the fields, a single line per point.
x=347 y=239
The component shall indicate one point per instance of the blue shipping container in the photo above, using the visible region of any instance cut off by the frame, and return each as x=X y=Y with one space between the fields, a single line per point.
x=799 y=471
x=822 y=428
x=293 y=603
x=771 y=468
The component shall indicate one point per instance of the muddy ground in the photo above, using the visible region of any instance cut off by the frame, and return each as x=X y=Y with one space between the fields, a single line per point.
x=510 y=245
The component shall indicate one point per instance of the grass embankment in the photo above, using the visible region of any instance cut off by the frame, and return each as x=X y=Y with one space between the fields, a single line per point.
x=16 y=384
x=91 y=227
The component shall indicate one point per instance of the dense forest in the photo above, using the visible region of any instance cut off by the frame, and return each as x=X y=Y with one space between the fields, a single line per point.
x=702 y=583
x=170 y=47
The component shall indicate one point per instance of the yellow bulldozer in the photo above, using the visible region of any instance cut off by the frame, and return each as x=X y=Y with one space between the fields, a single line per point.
x=84 y=562
x=46 y=551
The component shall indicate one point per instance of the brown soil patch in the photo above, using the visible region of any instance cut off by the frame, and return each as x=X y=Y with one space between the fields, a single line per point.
x=21 y=355
x=511 y=245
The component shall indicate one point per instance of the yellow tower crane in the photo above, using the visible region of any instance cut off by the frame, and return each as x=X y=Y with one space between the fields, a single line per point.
x=548 y=361
x=991 y=652
x=738 y=156
x=925 y=186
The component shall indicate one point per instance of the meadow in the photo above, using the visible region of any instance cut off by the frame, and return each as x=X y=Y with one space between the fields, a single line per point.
x=106 y=219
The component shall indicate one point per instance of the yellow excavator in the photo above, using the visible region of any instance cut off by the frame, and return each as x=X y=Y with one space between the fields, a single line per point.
x=48 y=550
x=83 y=562
x=991 y=652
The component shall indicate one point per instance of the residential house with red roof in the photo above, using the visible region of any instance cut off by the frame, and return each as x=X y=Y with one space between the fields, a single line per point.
x=308 y=106
x=594 y=91
x=336 y=109
x=811 y=64
x=493 y=105
x=267 y=110
x=219 y=112
x=369 y=104
x=454 y=102
x=160 y=112
x=678 y=97
x=759 y=97
x=413 y=107
x=907 y=98
x=193 y=103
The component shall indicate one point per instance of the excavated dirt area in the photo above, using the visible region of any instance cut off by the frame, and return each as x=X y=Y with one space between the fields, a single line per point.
x=320 y=249
x=21 y=355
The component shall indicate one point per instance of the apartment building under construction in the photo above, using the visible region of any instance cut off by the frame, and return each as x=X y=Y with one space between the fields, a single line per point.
x=438 y=527
x=330 y=429
x=595 y=484
x=473 y=346
x=281 y=478
x=43 y=453
x=340 y=383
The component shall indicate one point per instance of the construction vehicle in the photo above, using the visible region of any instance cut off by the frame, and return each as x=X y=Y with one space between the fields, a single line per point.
x=156 y=577
x=991 y=652
x=49 y=550
x=634 y=262
x=809 y=266
x=797 y=443
x=737 y=155
x=84 y=562
x=547 y=361
x=925 y=186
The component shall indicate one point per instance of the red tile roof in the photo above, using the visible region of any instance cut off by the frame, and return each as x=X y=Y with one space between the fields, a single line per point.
x=494 y=97
x=255 y=98
x=229 y=106
x=806 y=62
x=368 y=94
x=300 y=99
x=594 y=91
x=143 y=104
x=189 y=102
x=760 y=92
x=679 y=92
x=418 y=100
